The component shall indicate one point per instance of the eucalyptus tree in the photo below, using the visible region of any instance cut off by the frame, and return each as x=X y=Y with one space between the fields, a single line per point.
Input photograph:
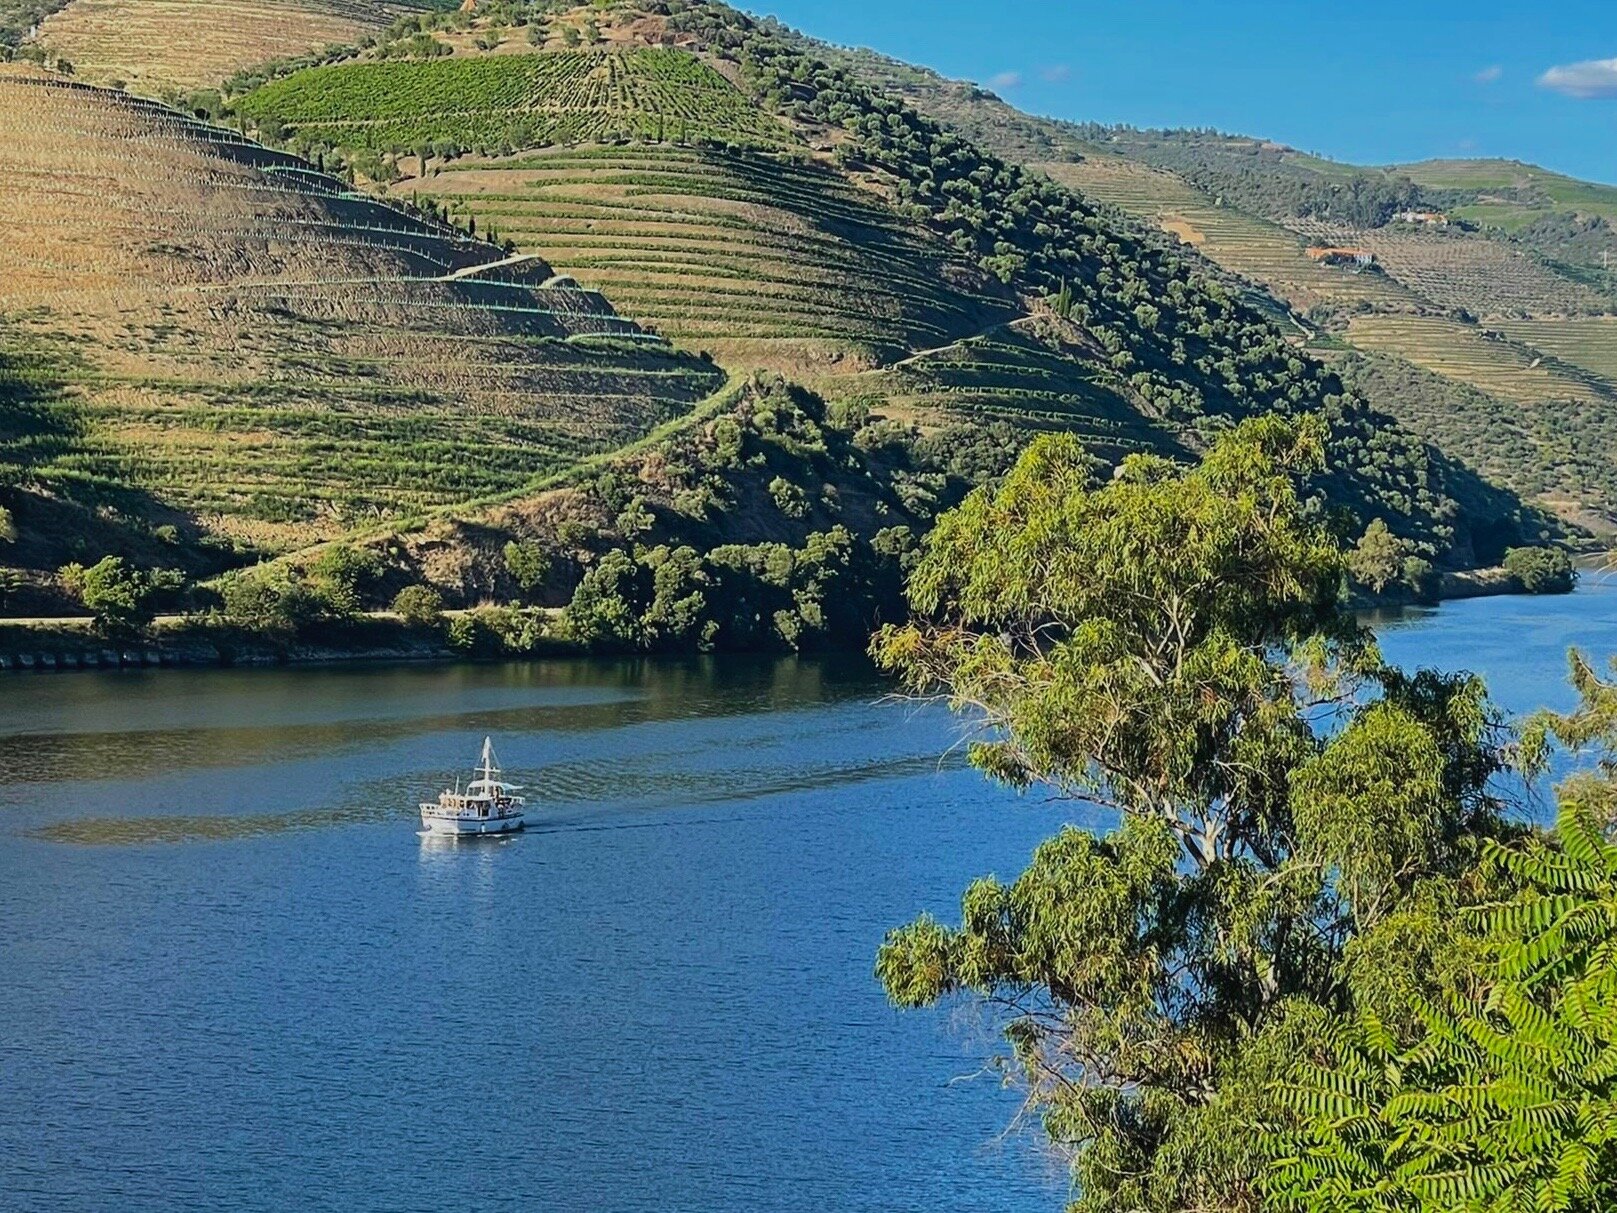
x=1169 y=646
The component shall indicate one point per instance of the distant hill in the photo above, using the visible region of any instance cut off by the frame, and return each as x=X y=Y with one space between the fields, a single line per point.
x=1512 y=297
x=287 y=332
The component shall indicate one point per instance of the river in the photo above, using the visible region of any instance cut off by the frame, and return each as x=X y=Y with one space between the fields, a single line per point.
x=235 y=978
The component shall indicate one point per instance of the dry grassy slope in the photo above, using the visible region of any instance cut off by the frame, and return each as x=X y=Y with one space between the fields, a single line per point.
x=248 y=348
x=187 y=43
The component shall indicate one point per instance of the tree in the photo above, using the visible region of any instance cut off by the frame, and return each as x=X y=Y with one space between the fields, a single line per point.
x=1378 y=560
x=1541 y=570
x=342 y=575
x=609 y=604
x=271 y=602
x=635 y=519
x=1420 y=577
x=1161 y=647
x=117 y=594
x=527 y=563
x=8 y=526
x=420 y=606
x=789 y=498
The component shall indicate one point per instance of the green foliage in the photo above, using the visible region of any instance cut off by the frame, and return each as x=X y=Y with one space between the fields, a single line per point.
x=634 y=519
x=511 y=101
x=1507 y=1099
x=274 y=602
x=789 y=498
x=17 y=17
x=8 y=526
x=527 y=563
x=1420 y=578
x=493 y=632
x=607 y=610
x=1378 y=560
x=121 y=597
x=1162 y=644
x=420 y=606
x=1541 y=570
x=341 y=575
x=765 y=596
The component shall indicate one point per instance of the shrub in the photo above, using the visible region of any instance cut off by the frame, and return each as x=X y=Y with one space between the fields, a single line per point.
x=118 y=595
x=635 y=519
x=1421 y=578
x=470 y=634
x=420 y=606
x=342 y=574
x=789 y=499
x=606 y=610
x=271 y=603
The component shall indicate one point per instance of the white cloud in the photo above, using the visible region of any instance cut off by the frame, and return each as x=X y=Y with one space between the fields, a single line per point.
x=1005 y=80
x=1055 y=74
x=1489 y=74
x=1593 y=78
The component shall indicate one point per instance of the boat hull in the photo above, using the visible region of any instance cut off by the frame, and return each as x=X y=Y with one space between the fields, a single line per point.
x=462 y=827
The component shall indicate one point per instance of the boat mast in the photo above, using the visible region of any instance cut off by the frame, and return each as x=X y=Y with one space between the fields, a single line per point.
x=489 y=769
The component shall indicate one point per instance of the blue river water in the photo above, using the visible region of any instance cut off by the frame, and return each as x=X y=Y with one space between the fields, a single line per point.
x=235 y=977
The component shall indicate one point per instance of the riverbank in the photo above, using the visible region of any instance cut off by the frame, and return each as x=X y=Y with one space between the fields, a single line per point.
x=71 y=643
x=207 y=641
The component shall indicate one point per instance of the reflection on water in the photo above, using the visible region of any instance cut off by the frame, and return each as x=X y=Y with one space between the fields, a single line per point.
x=125 y=724
x=199 y=827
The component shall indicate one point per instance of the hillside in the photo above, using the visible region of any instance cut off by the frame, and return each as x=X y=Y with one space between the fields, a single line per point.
x=430 y=285
x=845 y=240
x=717 y=225
x=1510 y=298
x=222 y=339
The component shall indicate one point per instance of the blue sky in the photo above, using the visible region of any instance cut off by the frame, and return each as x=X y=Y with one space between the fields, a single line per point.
x=1371 y=82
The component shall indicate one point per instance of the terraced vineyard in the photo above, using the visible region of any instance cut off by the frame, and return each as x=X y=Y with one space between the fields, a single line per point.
x=517 y=101
x=1587 y=343
x=187 y=43
x=1487 y=278
x=1466 y=353
x=761 y=259
x=1033 y=372
x=1264 y=252
x=274 y=357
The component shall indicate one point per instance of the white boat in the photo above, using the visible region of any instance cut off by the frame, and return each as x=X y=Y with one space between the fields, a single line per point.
x=485 y=807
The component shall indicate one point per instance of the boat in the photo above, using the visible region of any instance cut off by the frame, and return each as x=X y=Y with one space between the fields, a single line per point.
x=485 y=807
